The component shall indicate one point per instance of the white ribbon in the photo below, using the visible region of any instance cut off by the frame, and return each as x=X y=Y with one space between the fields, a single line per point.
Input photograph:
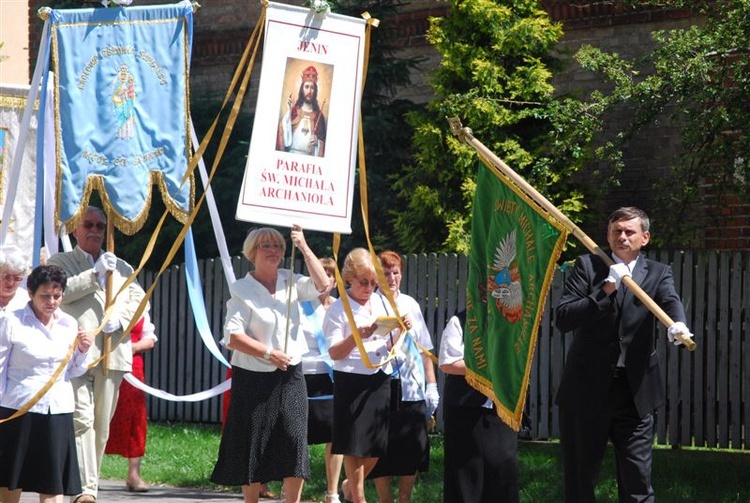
x=194 y=397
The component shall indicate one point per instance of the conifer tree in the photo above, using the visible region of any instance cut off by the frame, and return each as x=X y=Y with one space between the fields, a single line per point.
x=495 y=76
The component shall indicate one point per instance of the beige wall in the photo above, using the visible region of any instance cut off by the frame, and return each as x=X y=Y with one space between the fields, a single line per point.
x=14 y=32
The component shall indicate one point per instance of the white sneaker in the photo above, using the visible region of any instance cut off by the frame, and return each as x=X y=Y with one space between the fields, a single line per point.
x=332 y=498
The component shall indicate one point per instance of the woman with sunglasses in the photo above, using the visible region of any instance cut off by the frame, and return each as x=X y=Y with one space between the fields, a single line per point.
x=361 y=391
x=265 y=435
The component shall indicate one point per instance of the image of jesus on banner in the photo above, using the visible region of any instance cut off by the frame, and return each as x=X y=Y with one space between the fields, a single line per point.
x=302 y=127
x=123 y=98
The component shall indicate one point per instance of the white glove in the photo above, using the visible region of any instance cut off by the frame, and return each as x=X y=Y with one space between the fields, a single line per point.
x=677 y=329
x=431 y=398
x=107 y=262
x=113 y=325
x=616 y=273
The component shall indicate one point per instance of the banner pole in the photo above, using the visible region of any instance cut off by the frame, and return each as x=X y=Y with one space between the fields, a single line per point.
x=466 y=135
x=109 y=286
x=289 y=297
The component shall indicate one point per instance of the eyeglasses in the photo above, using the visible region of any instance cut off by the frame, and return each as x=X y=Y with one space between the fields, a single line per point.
x=99 y=225
x=270 y=246
x=364 y=283
x=16 y=278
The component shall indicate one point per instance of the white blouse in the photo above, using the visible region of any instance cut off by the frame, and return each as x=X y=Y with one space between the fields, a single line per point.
x=253 y=311
x=336 y=328
x=29 y=355
x=452 y=342
x=452 y=347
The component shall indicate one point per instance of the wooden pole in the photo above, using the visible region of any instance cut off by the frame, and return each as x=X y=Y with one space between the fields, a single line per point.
x=109 y=287
x=289 y=297
x=466 y=135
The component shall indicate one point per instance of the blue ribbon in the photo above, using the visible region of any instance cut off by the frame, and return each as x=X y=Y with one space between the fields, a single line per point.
x=197 y=303
x=414 y=353
x=309 y=310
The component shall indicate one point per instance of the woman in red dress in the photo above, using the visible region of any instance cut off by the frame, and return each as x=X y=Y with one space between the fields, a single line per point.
x=129 y=424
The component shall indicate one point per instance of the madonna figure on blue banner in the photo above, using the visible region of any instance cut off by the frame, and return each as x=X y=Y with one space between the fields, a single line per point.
x=265 y=435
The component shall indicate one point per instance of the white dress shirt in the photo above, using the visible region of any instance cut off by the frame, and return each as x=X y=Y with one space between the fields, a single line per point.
x=29 y=355
x=253 y=311
x=19 y=300
x=336 y=328
x=452 y=346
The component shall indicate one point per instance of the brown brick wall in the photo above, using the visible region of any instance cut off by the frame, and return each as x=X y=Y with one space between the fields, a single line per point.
x=223 y=27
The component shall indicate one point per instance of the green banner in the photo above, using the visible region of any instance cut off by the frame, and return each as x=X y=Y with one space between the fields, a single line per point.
x=514 y=247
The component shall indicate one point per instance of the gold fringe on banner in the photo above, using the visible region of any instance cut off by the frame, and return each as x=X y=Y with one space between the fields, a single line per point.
x=16 y=102
x=123 y=224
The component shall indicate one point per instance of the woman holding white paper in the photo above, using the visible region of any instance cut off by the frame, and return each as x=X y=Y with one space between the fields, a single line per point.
x=361 y=390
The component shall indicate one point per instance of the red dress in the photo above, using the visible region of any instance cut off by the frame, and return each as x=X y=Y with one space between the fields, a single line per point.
x=127 y=429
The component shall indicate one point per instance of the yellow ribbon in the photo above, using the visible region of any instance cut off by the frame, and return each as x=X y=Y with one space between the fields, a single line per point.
x=382 y=283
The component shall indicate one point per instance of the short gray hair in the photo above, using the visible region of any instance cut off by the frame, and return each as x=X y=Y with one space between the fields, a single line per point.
x=13 y=259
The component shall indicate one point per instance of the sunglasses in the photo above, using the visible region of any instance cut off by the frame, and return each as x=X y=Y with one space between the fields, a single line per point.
x=270 y=246
x=364 y=283
x=99 y=225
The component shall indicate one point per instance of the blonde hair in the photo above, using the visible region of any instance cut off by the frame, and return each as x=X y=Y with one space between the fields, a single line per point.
x=261 y=235
x=358 y=263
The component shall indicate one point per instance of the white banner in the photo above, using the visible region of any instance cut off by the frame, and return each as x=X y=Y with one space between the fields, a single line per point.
x=303 y=150
x=21 y=225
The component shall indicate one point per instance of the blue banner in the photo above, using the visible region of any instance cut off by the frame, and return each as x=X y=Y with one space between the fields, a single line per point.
x=121 y=110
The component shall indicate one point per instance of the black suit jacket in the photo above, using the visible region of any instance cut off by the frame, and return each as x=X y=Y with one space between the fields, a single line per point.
x=602 y=324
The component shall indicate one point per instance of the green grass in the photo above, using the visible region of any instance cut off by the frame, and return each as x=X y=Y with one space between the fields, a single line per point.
x=184 y=455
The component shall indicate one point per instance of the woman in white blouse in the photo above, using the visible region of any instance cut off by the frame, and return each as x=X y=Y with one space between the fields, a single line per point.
x=361 y=389
x=265 y=435
x=37 y=449
x=480 y=450
x=408 y=445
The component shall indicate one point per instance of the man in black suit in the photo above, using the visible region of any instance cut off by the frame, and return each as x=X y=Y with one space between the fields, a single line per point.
x=612 y=382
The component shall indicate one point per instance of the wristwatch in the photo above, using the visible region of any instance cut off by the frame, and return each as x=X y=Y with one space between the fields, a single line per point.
x=267 y=354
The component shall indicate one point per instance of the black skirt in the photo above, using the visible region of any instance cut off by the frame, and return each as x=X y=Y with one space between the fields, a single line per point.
x=265 y=436
x=319 y=408
x=360 y=414
x=38 y=453
x=408 y=449
x=481 y=457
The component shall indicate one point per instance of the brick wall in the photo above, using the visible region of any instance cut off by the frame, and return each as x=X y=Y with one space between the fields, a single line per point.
x=223 y=27
x=725 y=219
